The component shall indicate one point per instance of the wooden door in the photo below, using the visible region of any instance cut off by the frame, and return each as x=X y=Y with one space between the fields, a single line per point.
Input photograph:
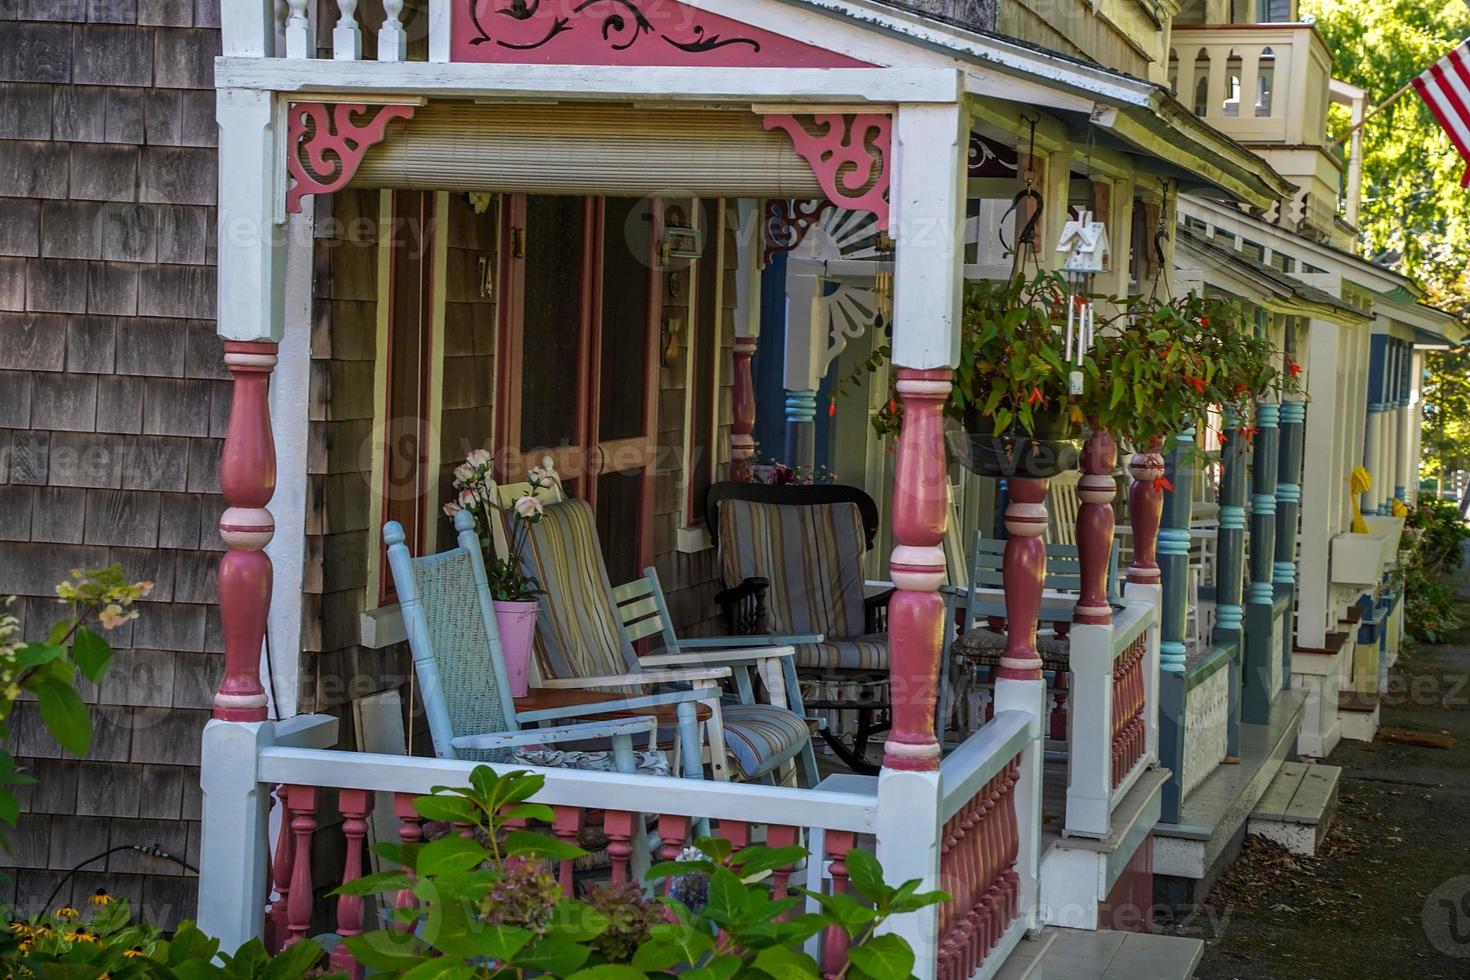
x=578 y=358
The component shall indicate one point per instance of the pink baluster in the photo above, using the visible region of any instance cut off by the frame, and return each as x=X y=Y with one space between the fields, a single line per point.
x=354 y=804
x=567 y=826
x=1145 y=510
x=301 y=804
x=950 y=879
x=737 y=832
x=281 y=866
x=247 y=479
x=1096 y=490
x=1012 y=837
x=620 y=825
x=410 y=831
x=835 y=942
x=742 y=407
x=916 y=611
x=1024 y=572
x=782 y=835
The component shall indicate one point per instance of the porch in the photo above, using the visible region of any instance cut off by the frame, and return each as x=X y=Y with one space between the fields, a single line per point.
x=479 y=331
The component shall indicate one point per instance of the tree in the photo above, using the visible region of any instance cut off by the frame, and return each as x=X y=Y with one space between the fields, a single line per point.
x=1415 y=214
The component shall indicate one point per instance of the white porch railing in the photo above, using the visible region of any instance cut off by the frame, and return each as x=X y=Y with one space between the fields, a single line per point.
x=1113 y=724
x=983 y=849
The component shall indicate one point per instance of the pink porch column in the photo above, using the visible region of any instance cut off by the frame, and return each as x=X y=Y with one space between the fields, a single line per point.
x=742 y=405
x=1024 y=574
x=1145 y=510
x=916 y=611
x=1095 y=522
x=248 y=480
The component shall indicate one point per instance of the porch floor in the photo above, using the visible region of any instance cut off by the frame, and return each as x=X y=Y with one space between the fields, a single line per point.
x=1072 y=954
x=1188 y=855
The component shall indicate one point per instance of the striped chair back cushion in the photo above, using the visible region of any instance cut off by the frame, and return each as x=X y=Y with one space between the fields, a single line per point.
x=812 y=556
x=461 y=648
x=578 y=630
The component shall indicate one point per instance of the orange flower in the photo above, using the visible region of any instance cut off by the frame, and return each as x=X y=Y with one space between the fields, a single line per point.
x=1294 y=368
x=1199 y=383
x=1223 y=438
x=1162 y=483
x=1035 y=396
x=832 y=408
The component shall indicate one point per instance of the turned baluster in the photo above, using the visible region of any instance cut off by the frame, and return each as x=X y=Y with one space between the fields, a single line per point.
x=354 y=805
x=742 y=407
x=298 y=30
x=346 y=37
x=620 y=825
x=392 y=39
x=835 y=942
x=1095 y=521
x=301 y=805
x=1024 y=573
x=1145 y=510
x=567 y=825
x=1012 y=836
x=410 y=831
x=281 y=866
x=951 y=880
x=782 y=835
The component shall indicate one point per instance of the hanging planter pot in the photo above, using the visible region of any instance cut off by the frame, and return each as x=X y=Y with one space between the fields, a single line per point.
x=516 y=621
x=1049 y=451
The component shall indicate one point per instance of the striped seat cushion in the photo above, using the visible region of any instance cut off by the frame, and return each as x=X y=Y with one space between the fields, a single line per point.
x=862 y=653
x=578 y=632
x=811 y=555
x=758 y=737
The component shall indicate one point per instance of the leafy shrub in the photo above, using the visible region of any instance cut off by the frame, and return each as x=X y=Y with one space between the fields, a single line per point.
x=1430 y=553
x=485 y=908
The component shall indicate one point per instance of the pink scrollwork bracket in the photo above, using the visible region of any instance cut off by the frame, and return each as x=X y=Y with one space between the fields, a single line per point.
x=850 y=154
x=325 y=142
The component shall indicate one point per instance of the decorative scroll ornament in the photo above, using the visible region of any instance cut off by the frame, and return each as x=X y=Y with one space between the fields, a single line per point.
x=787 y=222
x=848 y=154
x=988 y=158
x=325 y=142
x=649 y=33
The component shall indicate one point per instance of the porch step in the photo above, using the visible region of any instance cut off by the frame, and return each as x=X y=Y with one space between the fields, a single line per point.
x=1189 y=855
x=1297 y=810
x=1359 y=713
x=1072 y=954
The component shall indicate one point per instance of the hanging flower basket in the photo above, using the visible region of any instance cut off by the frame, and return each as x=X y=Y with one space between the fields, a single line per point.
x=1049 y=450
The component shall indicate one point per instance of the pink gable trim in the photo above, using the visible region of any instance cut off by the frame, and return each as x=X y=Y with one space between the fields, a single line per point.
x=650 y=33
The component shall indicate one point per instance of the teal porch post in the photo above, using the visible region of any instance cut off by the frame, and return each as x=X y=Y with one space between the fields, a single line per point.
x=1173 y=557
x=801 y=423
x=1259 y=689
x=1288 y=520
x=1230 y=566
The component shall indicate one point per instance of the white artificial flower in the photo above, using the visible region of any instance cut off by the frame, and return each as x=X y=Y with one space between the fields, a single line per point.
x=529 y=508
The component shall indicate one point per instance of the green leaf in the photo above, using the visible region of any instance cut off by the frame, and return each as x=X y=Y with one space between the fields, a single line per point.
x=36 y=654
x=189 y=943
x=503 y=942
x=65 y=716
x=851 y=914
x=718 y=968
x=530 y=811
x=611 y=971
x=687 y=941
x=866 y=875
x=576 y=921
x=294 y=962
x=728 y=899
x=386 y=950
x=553 y=956
x=450 y=853
x=92 y=654
x=656 y=955
x=528 y=843
x=483 y=780
x=717 y=849
x=885 y=957
x=383 y=881
x=450 y=809
x=438 y=968
x=783 y=963
x=754 y=860
x=250 y=960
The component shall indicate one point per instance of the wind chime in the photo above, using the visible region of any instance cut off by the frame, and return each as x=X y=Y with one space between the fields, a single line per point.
x=1085 y=243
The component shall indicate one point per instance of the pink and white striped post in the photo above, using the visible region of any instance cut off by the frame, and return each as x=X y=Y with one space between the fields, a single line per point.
x=1095 y=523
x=916 y=611
x=1024 y=574
x=1145 y=510
x=248 y=481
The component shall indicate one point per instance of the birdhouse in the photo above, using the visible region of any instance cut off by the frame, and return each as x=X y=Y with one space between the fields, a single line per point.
x=1086 y=243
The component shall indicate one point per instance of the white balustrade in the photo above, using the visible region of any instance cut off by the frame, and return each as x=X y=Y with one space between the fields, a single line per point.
x=392 y=39
x=346 y=37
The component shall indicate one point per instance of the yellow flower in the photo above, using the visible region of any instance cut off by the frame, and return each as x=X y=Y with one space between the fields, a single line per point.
x=136 y=953
x=100 y=897
x=80 y=935
x=66 y=914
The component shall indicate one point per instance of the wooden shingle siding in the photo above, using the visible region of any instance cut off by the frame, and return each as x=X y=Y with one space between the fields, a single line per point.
x=113 y=401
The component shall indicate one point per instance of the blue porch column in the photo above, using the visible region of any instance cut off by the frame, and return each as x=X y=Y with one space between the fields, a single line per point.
x=801 y=426
x=1173 y=558
x=1259 y=689
x=1375 y=431
x=1230 y=565
x=1288 y=520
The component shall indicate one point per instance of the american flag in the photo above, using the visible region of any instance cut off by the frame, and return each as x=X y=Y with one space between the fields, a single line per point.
x=1445 y=88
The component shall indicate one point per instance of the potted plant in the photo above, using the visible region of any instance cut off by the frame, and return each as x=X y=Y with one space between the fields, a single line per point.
x=1011 y=401
x=512 y=591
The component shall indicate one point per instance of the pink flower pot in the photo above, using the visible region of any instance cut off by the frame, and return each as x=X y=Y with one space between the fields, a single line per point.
x=517 y=624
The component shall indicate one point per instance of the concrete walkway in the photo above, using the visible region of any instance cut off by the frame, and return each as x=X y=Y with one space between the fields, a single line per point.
x=1389 y=896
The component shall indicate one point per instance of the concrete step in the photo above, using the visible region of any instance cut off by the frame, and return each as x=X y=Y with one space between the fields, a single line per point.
x=1073 y=954
x=1298 y=808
